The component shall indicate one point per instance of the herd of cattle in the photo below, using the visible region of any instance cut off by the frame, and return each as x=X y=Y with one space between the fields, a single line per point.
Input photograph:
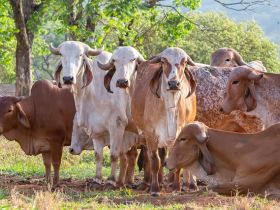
x=122 y=101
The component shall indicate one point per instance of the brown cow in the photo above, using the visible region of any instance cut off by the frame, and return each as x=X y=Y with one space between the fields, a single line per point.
x=162 y=102
x=41 y=123
x=233 y=161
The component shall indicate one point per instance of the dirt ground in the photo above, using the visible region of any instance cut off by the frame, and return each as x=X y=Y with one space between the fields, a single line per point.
x=80 y=187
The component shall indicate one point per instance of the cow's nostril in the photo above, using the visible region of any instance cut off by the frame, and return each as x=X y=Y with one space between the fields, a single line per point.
x=164 y=164
x=71 y=150
x=221 y=109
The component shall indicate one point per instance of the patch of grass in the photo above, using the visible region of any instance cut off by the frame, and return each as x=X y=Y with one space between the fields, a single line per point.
x=3 y=194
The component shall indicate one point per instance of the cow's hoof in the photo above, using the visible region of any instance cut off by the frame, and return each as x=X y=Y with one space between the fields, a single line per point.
x=110 y=185
x=142 y=186
x=193 y=187
x=155 y=194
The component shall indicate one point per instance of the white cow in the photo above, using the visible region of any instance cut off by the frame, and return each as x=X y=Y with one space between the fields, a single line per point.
x=102 y=114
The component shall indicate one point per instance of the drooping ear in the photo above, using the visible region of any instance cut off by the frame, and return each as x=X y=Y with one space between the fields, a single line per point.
x=239 y=60
x=191 y=80
x=23 y=119
x=57 y=73
x=87 y=75
x=206 y=159
x=155 y=82
x=250 y=97
x=107 y=79
x=190 y=61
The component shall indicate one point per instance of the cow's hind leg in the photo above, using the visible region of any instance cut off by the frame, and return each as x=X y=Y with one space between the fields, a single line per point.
x=47 y=159
x=123 y=170
x=131 y=162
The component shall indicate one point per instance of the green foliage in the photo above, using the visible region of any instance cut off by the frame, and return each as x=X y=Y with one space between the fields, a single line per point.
x=246 y=37
x=7 y=43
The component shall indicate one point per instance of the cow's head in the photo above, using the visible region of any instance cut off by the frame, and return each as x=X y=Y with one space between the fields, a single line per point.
x=171 y=82
x=122 y=67
x=80 y=140
x=12 y=113
x=240 y=91
x=190 y=146
x=226 y=57
x=74 y=60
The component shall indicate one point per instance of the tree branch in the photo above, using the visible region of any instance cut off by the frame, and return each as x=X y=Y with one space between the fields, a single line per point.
x=242 y=5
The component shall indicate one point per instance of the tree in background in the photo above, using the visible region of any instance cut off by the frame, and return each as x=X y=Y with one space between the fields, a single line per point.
x=246 y=37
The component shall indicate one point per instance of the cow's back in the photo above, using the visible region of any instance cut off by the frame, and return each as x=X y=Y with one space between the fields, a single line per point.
x=211 y=85
x=54 y=109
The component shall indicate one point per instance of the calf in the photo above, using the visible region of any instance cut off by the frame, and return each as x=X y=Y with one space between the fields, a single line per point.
x=40 y=123
x=233 y=161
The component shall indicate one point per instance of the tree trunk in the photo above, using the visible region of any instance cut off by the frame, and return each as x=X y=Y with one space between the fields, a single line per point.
x=22 y=10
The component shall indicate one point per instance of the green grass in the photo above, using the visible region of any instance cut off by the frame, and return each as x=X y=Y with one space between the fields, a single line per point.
x=15 y=163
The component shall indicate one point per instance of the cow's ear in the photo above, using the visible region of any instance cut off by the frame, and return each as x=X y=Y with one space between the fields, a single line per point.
x=87 y=76
x=107 y=79
x=155 y=82
x=205 y=159
x=191 y=80
x=57 y=73
x=21 y=115
x=250 y=97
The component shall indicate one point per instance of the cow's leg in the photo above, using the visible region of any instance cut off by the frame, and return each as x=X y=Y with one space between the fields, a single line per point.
x=131 y=158
x=162 y=155
x=56 y=161
x=47 y=159
x=189 y=181
x=98 y=151
x=176 y=181
x=152 y=145
x=116 y=139
x=123 y=169
x=147 y=170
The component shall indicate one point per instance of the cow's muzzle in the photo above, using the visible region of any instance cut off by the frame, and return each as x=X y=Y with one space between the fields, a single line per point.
x=122 y=83
x=68 y=80
x=73 y=152
x=174 y=85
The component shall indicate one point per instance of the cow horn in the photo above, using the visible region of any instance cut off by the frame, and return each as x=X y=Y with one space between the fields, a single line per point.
x=54 y=50
x=155 y=59
x=254 y=76
x=239 y=59
x=190 y=61
x=93 y=52
x=106 y=66
x=140 y=59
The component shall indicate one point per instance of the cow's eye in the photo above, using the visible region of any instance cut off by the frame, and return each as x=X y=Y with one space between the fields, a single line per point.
x=183 y=139
x=133 y=59
x=81 y=55
x=235 y=82
x=10 y=110
x=228 y=59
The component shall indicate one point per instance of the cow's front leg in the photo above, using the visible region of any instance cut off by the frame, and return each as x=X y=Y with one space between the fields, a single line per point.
x=152 y=145
x=176 y=181
x=56 y=154
x=47 y=159
x=98 y=151
x=162 y=155
x=123 y=170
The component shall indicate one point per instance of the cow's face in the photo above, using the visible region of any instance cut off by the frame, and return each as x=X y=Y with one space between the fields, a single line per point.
x=190 y=146
x=80 y=140
x=11 y=113
x=240 y=91
x=226 y=57
x=122 y=67
x=172 y=82
x=74 y=62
